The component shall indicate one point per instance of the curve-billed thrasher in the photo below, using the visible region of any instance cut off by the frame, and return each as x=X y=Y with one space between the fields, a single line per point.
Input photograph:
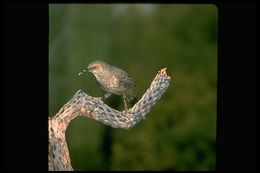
x=112 y=80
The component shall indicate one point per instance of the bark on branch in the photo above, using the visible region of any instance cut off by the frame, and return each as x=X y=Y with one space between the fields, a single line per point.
x=82 y=104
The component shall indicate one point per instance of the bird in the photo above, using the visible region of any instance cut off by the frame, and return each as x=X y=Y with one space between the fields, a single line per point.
x=112 y=80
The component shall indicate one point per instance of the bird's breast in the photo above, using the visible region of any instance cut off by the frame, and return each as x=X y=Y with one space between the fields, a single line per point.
x=108 y=81
x=114 y=81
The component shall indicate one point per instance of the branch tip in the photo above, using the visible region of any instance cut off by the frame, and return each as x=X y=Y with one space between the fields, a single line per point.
x=163 y=72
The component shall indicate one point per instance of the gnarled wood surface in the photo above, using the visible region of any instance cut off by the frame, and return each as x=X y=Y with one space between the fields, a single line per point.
x=82 y=104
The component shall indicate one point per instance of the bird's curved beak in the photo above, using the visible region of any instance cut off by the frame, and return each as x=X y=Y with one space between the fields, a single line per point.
x=83 y=71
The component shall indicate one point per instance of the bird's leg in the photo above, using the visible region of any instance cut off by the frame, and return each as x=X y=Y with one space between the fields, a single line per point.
x=106 y=95
x=124 y=98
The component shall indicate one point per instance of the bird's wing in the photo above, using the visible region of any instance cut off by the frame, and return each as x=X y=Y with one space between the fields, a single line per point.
x=124 y=78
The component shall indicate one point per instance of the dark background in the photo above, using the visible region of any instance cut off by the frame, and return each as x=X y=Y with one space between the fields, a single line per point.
x=28 y=77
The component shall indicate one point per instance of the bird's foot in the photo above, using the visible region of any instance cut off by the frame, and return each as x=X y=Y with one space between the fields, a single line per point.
x=104 y=97
x=125 y=113
x=99 y=98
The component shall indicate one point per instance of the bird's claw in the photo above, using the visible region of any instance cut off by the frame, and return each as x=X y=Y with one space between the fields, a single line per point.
x=99 y=98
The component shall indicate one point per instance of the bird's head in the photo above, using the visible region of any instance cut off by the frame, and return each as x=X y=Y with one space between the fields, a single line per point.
x=94 y=67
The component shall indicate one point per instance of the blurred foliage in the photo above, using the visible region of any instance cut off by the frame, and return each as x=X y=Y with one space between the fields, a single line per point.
x=180 y=131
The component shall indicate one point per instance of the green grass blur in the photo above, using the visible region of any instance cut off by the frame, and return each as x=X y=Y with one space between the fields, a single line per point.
x=180 y=131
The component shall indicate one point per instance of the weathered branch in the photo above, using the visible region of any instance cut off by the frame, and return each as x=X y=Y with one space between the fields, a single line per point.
x=82 y=104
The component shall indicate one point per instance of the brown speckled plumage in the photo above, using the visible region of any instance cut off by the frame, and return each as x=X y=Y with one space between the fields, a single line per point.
x=112 y=80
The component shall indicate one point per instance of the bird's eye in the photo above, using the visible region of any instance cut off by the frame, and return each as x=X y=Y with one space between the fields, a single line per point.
x=96 y=66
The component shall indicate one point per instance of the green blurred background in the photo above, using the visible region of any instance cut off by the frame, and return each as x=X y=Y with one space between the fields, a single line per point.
x=180 y=131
